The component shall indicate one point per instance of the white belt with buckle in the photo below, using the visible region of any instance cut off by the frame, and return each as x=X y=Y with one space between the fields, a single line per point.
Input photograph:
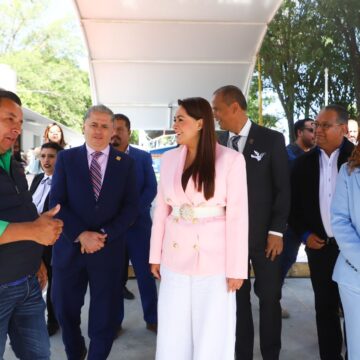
x=188 y=212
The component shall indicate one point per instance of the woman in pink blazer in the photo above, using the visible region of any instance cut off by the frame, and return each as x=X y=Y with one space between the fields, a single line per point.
x=199 y=241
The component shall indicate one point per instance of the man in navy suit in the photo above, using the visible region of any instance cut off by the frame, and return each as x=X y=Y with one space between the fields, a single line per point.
x=40 y=191
x=138 y=235
x=96 y=187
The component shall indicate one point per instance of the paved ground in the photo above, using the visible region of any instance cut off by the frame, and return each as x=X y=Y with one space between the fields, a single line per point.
x=299 y=333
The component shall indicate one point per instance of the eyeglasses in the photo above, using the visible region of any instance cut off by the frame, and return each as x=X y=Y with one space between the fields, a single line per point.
x=309 y=129
x=325 y=126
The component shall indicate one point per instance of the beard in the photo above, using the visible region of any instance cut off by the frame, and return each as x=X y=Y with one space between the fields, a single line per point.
x=115 y=141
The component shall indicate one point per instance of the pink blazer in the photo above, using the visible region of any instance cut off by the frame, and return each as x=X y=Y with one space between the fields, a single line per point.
x=209 y=246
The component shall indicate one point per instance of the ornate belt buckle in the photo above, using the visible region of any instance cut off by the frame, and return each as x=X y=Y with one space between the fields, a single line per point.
x=187 y=212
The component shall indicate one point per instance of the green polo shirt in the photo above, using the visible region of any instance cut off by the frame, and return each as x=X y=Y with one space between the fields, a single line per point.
x=5 y=164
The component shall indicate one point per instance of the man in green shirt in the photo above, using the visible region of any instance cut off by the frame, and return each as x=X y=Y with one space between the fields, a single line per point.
x=22 y=237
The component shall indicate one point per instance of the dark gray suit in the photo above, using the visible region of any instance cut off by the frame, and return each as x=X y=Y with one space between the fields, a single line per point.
x=269 y=202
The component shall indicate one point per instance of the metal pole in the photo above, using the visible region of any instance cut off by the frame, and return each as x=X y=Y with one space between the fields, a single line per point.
x=326 y=86
x=260 y=90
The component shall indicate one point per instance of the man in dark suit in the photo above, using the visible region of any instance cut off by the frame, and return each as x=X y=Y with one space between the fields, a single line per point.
x=313 y=184
x=40 y=190
x=269 y=202
x=96 y=187
x=138 y=235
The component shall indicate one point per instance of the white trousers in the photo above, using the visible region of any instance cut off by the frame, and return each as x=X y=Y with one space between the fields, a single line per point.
x=350 y=299
x=196 y=318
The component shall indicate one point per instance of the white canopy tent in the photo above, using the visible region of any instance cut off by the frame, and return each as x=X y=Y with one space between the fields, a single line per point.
x=145 y=54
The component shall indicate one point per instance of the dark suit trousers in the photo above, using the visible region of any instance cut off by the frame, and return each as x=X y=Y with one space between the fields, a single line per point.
x=292 y=244
x=327 y=300
x=138 y=248
x=47 y=255
x=267 y=287
x=126 y=269
x=68 y=292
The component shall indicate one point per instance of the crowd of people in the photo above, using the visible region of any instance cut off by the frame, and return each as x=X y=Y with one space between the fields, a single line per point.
x=223 y=205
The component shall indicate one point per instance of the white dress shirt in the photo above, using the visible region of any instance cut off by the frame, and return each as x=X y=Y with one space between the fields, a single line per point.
x=102 y=160
x=41 y=193
x=328 y=176
x=244 y=133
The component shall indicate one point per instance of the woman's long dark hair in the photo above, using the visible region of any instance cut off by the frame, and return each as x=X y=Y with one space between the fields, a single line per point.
x=204 y=164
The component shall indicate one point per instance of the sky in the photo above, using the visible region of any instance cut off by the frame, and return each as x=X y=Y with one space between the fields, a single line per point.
x=60 y=9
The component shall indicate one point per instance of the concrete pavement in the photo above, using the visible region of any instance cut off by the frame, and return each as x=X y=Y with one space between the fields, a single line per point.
x=299 y=340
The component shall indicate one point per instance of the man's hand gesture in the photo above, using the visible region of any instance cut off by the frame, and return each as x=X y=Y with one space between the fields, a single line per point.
x=46 y=229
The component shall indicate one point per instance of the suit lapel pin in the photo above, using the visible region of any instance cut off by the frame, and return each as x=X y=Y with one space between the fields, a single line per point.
x=258 y=156
x=118 y=158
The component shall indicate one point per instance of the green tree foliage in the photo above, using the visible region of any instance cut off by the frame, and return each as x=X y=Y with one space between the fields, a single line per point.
x=253 y=105
x=134 y=138
x=45 y=57
x=303 y=39
x=343 y=28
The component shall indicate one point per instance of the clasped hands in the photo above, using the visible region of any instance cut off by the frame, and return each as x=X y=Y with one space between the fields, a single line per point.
x=91 y=241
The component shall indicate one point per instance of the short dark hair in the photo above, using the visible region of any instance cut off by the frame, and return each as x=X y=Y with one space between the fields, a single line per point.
x=231 y=94
x=52 y=145
x=342 y=113
x=99 y=108
x=300 y=125
x=4 y=94
x=123 y=118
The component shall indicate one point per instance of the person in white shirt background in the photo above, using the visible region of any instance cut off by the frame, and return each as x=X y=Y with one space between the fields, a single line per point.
x=40 y=190
x=313 y=183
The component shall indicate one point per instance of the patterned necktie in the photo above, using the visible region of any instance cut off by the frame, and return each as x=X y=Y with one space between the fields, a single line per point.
x=234 y=142
x=44 y=180
x=95 y=173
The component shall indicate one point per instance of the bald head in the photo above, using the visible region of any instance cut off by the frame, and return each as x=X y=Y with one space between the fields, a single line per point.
x=353 y=131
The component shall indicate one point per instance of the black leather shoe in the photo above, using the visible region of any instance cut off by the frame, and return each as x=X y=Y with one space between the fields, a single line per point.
x=152 y=327
x=52 y=328
x=84 y=353
x=128 y=295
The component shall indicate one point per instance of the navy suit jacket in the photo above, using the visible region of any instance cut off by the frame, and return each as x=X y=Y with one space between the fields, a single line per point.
x=114 y=211
x=145 y=178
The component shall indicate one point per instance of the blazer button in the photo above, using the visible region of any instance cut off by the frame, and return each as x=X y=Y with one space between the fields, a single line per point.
x=175 y=245
x=196 y=247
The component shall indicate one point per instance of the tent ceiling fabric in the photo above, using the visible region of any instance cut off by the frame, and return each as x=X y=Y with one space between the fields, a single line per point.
x=146 y=54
